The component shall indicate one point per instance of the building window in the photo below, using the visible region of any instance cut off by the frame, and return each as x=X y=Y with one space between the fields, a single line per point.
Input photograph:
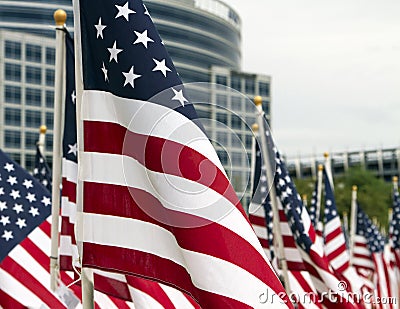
x=13 y=50
x=33 y=119
x=49 y=142
x=222 y=100
x=263 y=89
x=29 y=162
x=16 y=157
x=249 y=141
x=49 y=98
x=222 y=138
x=223 y=157
x=12 y=139
x=265 y=105
x=33 y=53
x=33 y=97
x=12 y=94
x=236 y=142
x=236 y=82
x=33 y=75
x=236 y=122
x=49 y=77
x=49 y=120
x=31 y=139
x=12 y=116
x=222 y=80
x=222 y=118
x=13 y=72
x=236 y=103
x=250 y=86
x=50 y=55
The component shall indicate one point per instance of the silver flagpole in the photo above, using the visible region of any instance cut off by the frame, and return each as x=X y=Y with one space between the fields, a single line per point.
x=270 y=183
x=60 y=16
x=353 y=218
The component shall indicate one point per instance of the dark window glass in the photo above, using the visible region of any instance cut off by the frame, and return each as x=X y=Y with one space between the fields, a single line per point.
x=250 y=86
x=236 y=82
x=50 y=55
x=29 y=162
x=222 y=80
x=263 y=89
x=49 y=120
x=223 y=156
x=49 y=98
x=236 y=103
x=33 y=75
x=49 y=142
x=33 y=119
x=222 y=118
x=12 y=139
x=221 y=100
x=13 y=50
x=222 y=138
x=16 y=157
x=265 y=106
x=33 y=53
x=13 y=72
x=33 y=97
x=249 y=141
x=12 y=94
x=31 y=139
x=49 y=77
x=12 y=116
x=236 y=122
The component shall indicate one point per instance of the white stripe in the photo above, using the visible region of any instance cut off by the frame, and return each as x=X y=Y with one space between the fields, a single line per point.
x=67 y=248
x=363 y=262
x=107 y=274
x=261 y=231
x=144 y=301
x=332 y=226
x=285 y=229
x=360 y=239
x=381 y=278
x=303 y=296
x=68 y=209
x=195 y=199
x=362 y=251
x=354 y=278
x=340 y=260
x=70 y=170
x=147 y=118
x=177 y=297
x=223 y=278
x=293 y=255
x=257 y=210
x=104 y=301
x=334 y=244
x=10 y=286
x=41 y=240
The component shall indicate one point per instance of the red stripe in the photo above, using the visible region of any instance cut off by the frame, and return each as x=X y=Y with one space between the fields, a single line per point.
x=69 y=190
x=112 y=287
x=332 y=235
x=159 y=155
x=289 y=241
x=161 y=269
x=6 y=301
x=30 y=282
x=306 y=287
x=295 y=266
x=152 y=289
x=256 y=220
x=334 y=254
x=121 y=204
x=264 y=242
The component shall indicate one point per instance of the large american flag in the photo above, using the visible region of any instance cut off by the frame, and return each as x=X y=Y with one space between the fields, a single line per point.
x=394 y=230
x=156 y=200
x=335 y=242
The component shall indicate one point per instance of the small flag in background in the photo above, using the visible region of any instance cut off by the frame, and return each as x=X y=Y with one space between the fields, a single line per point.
x=42 y=170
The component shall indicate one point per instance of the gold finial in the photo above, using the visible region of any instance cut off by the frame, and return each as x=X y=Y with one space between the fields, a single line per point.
x=355 y=188
x=258 y=100
x=43 y=129
x=344 y=213
x=60 y=16
x=395 y=179
x=304 y=197
x=320 y=167
x=254 y=127
x=326 y=154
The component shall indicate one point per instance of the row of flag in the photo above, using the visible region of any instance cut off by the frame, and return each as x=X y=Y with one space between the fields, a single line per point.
x=147 y=210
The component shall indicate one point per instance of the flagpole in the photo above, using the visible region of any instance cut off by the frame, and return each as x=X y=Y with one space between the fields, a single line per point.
x=304 y=198
x=328 y=168
x=282 y=263
x=353 y=218
x=254 y=128
x=60 y=16
x=319 y=195
x=346 y=222
x=42 y=138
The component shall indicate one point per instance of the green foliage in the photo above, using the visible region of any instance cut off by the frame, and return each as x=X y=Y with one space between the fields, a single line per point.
x=374 y=194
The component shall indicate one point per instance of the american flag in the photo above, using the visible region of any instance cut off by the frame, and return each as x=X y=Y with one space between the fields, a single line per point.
x=261 y=217
x=310 y=247
x=156 y=200
x=145 y=293
x=313 y=206
x=41 y=170
x=394 y=230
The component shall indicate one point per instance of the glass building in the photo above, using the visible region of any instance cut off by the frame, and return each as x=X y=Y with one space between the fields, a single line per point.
x=27 y=56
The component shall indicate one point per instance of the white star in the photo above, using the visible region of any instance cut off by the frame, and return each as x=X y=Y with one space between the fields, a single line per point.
x=73 y=149
x=114 y=51
x=12 y=180
x=146 y=12
x=100 y=28
x=5 y=220
x=46 y=201
x=9 y=167
x=21 y=223
x=130 y=77
x=179 y=97
x=73 y=97
x=105 y=72
x=160 y=66
x=7 y=235
x=31 y=197
x=124 y=11
x=34 y=211
x=15 y=194
x=18 y=208
x=142 y=38
x=1 y=191
x=3 y=206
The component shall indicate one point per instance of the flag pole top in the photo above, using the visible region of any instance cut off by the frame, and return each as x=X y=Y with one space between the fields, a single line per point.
x=60 y=16
x=344 y=213
x=304 y=197
x=258 y=100
x=320 y=167
x=355 y=188
x=254 y=127
x=43 y=129
x=326 y=154
x=395 y=179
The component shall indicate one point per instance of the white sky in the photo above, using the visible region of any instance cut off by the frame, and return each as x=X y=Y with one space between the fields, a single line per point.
x=335 y=68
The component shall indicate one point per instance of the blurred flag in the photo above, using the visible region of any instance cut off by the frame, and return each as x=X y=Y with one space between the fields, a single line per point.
x=42 y=170
x=156 y=200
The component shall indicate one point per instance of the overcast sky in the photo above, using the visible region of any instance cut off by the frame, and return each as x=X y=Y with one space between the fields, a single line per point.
x=335 y=68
